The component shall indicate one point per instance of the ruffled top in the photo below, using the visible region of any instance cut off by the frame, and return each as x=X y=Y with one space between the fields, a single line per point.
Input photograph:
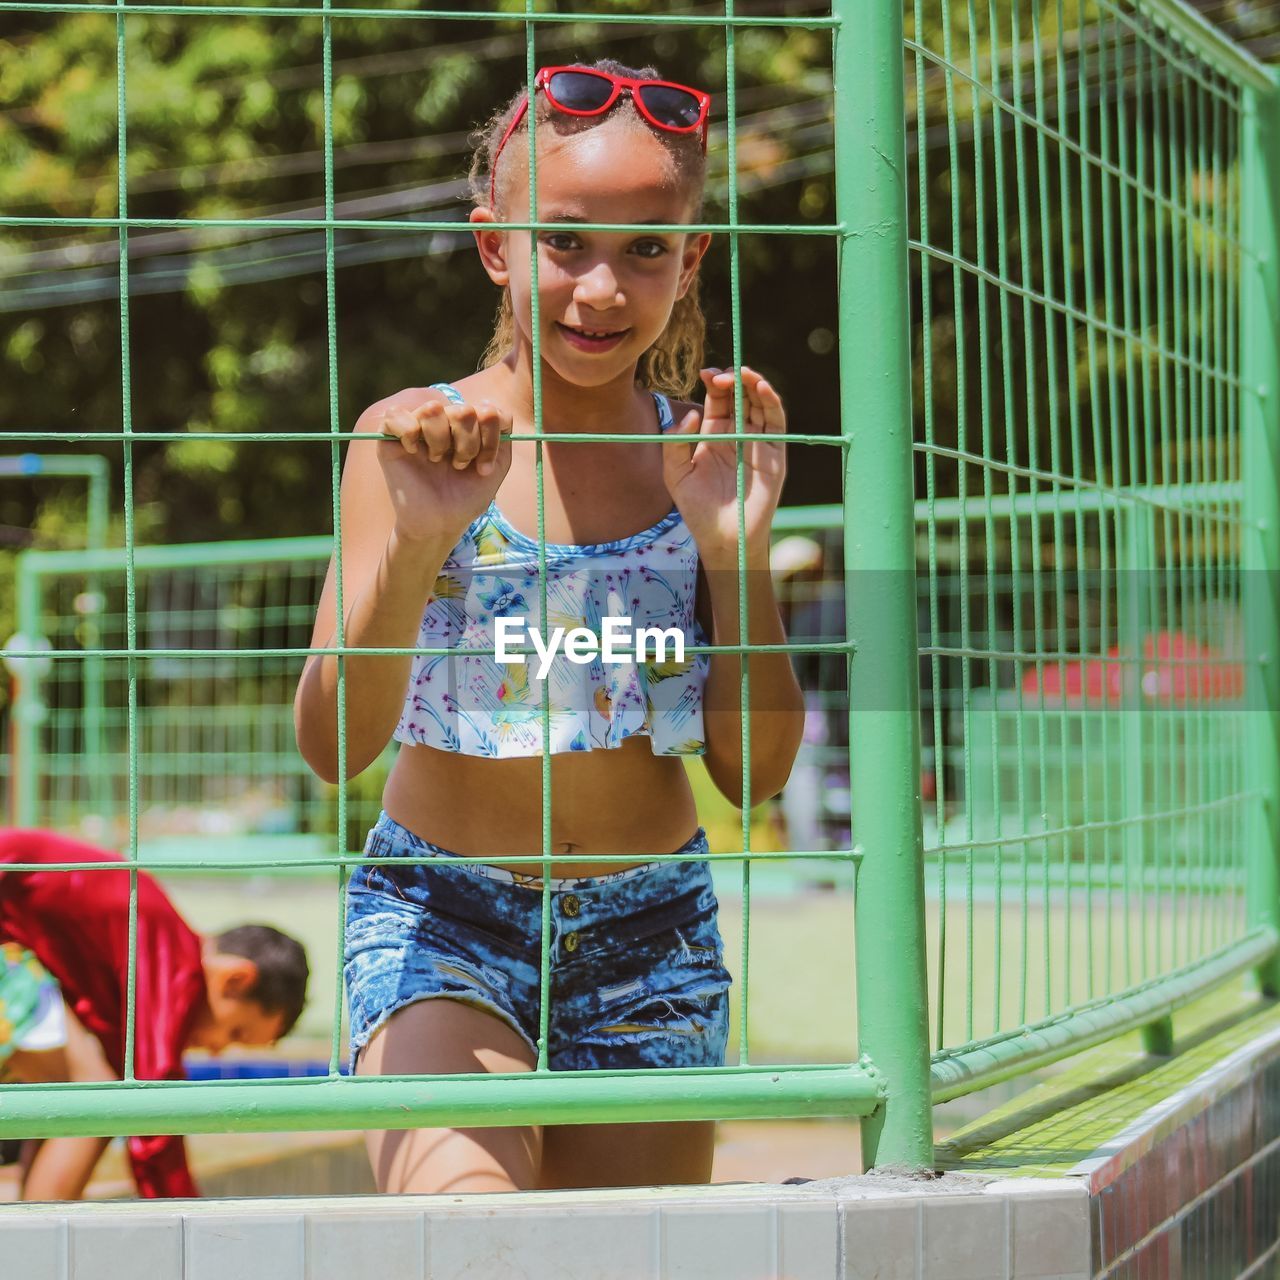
x=472 y=703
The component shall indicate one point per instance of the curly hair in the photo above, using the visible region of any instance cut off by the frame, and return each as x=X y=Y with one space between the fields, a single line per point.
x=671 y=365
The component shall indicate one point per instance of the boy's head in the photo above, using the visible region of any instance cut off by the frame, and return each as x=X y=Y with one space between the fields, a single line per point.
x=256 y=984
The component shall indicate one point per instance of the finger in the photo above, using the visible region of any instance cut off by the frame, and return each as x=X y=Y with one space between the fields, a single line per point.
x=506 y=426
x=678 y=444
x=753 y=410
x=718 y=407
x=489 y=427
x=399 y=423
x=754 y=417
x=465 y=424
x=434 y=424
x=765 y=411
x=775 y=416
x=751 y=381
x=717 y=401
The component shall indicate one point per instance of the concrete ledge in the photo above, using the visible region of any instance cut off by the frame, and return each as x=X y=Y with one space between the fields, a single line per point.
x=1176 y=1177
x=837 y=1229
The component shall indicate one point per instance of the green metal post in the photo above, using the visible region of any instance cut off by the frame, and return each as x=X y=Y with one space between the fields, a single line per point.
x=91 y=466
x=94 y=741
x=1260 y=464
x=28 y=706
x=94 y=469
x=1136 y=531
x=96 y=473
x=879 y=548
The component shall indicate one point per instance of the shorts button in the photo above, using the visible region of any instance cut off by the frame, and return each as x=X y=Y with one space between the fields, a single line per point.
x=571 y=941
x=571 y=905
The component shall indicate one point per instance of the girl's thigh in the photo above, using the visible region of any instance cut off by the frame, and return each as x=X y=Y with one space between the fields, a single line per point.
x=441 y=1036
x=627 y=1155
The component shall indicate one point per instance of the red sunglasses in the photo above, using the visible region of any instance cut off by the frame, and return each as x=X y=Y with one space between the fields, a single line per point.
x=583 y=91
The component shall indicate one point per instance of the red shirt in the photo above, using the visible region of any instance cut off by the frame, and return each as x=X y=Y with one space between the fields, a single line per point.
x=77 y=925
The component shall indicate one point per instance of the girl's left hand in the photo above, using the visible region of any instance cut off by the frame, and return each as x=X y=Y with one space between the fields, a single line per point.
x=702 y=476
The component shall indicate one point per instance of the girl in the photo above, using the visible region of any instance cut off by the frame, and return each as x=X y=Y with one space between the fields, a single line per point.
x=441 y=516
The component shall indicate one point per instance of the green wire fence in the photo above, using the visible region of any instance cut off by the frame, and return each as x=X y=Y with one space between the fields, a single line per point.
x=1041 y=647
x=1096 y=369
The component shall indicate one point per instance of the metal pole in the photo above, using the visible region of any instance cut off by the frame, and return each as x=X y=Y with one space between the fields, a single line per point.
x=28 y=708
x=1260 y=464
x=94 y=672
x=95 y=471
x=880 y=590
x=1136 y=528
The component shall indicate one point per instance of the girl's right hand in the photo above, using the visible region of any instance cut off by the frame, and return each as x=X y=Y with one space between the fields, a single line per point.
x=444 y=464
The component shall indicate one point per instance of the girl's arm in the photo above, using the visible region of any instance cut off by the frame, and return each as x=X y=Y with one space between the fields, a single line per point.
x=776 y=708
x=60 y=1168
x=403 y=510
x=702 y=477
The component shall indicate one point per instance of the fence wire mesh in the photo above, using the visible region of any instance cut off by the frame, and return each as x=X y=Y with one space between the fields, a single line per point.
x=1077 y=259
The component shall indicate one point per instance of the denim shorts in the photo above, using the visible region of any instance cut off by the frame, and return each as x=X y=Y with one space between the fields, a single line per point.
x=637 y=962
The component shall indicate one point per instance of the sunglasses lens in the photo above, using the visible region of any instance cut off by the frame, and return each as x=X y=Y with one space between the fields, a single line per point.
x=676 y=108
x=579 y=91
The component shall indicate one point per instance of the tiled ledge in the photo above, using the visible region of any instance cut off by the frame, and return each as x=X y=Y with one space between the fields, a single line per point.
x=1151 y=1164
x=837 y=1229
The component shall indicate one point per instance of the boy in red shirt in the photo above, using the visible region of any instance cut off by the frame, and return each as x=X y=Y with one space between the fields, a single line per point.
x=244 y=986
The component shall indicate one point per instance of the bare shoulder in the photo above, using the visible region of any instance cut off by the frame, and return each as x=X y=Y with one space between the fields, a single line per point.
x=409 y=398
x=476 y=386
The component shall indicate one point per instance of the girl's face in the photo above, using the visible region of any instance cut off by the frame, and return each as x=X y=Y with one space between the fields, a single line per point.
x=618 y=284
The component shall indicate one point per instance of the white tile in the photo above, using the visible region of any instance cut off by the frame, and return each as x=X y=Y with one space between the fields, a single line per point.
x=34 y=1246
x=341 y=1246
x=229 y=1246
x=716 y=1241
x=124 y=1248
x=1050 y=1235
x=585 y=1242
x=879 y=1238
x=808 y=1240
x=1036 y=1187
x=964 y=1238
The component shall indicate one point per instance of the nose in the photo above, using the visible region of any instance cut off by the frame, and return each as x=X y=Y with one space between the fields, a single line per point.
x=598 y=288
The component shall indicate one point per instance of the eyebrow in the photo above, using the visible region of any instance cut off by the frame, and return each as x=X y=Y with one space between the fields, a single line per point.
x=573 y=217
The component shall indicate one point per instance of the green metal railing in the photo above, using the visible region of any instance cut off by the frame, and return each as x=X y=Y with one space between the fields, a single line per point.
x=1054 y=566
x=94 y=471
x=1096 y=364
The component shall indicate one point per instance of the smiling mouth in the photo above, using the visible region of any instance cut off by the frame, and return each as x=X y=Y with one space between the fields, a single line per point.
x=592 y=338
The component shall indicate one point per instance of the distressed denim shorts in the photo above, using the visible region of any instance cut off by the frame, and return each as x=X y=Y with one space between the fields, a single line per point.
x=637 y=963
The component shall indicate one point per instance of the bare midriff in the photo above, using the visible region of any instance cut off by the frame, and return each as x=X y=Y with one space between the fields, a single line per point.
x=618 y=801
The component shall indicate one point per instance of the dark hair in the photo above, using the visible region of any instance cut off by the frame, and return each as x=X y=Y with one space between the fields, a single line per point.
x=672 y=363
x=282 y=968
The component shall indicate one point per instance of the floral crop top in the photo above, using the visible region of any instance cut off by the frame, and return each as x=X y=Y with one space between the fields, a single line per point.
x=476 y=705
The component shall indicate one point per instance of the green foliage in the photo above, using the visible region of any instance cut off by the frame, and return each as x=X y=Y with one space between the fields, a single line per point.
x=226 y=119
x=228 y=330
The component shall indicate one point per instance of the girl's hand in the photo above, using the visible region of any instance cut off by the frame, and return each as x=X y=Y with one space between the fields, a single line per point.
x=444 y=464
x=702 y=477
